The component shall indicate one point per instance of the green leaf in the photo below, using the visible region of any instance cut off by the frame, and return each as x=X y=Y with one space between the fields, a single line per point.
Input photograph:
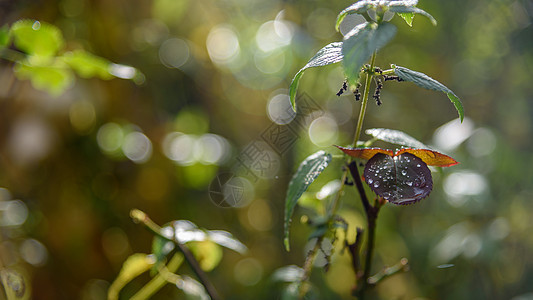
x=160 y=249
x=5 y=36
x=330 y=54
x=54 y=78
x=88 y=65
x=408 y=18
x=15 y=285
x=424 y=81
x=411 y=10
x=36 y=38
x=307 y=172
x=359 y=7
x=134 y=266
x=187 y=231
x=395 y=137
x=360 y=43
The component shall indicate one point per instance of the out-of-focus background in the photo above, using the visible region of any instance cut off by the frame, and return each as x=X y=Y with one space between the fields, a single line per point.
x=215 y=92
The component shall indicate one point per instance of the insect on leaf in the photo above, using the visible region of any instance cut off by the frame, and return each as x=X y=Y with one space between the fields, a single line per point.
x=359 y=45
x=307 y=172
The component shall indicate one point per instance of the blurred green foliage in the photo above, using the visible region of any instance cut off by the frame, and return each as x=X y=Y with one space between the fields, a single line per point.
x=80 y=160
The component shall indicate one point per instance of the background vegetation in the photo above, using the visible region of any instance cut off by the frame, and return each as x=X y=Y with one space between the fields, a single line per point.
x=79 y=162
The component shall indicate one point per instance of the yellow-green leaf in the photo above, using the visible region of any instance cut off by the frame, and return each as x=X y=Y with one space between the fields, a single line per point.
x=37 y=38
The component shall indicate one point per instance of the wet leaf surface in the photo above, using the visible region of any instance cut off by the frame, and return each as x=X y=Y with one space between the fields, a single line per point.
x=401 y=179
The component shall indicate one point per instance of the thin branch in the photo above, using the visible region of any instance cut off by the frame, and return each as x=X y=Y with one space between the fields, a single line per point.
x=402 y=266
x=354 y=249
x=308 y=266
x=141 y=217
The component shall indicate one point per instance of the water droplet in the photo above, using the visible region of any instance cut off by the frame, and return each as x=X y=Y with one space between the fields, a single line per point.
x=370 y=181
x=418 y=165
x=409 y=183
x=376 y=184
x=404 y=172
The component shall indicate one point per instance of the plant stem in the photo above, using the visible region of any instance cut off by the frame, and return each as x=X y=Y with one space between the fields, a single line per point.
x=365 y=101
x=159 y=280
x=141 y=217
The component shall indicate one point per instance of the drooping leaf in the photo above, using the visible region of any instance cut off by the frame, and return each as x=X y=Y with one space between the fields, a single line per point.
x=359 y=45
x=226 y=239
x=395 y=137
x=330 y=54
x=5 y=36
x=404 y=9
x=360 y=7
x=54 y=78
x=207 y=253
x=402 y=179
x=407 y=17
x=307 y=172
x=15 y=285
x=37 y=38
x=134 y=266
x=430 y=157
x=424 y=81
x=88 y=65
x=364 y=153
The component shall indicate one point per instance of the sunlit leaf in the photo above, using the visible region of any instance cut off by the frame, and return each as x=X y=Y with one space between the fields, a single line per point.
x=54 y=78
x=359 y=45
x=290 y=273
x=307 y=172
x=207 y=253
x=395 y=137
x=360 y=7
x=424 y=81
x=37 y=38
x=134 y=266
x=192 y=288
x=15 y=285
x=186 y=231
x=364 y=153
x=330 y=54
x=88 y=65
x=407 y=17
x=430 y=157
x=403 y=9
x=402 y=179
x=5 y=36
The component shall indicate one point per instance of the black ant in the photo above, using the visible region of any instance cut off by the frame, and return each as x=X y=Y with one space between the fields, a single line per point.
x=377 y=93
x=343 y=88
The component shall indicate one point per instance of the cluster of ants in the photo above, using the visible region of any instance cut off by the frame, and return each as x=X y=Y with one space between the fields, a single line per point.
x=379 y=85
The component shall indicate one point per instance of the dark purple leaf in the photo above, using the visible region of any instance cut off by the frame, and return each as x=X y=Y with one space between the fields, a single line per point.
x=401 y=179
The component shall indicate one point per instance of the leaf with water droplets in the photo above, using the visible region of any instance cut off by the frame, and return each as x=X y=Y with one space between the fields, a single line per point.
x=307 y=172
x=430 y=157
x=402 y=179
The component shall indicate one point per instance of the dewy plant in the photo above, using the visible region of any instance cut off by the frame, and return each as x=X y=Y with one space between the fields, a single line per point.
x=399 y=177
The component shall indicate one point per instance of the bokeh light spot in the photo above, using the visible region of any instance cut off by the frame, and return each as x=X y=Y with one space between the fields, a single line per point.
x=248 y=271
x=174 y=53
x=323 y=131
x=222 y=44
x=280 y=109
x=137 y=147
